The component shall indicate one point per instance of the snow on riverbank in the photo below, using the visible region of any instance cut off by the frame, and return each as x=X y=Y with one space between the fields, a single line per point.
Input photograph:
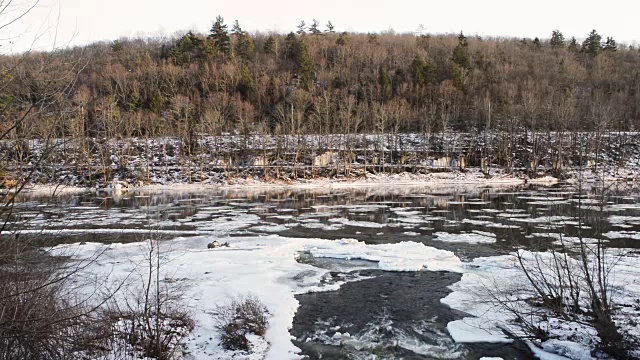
x=449 y=181
x=265 y=266
x=491 y=280
x=441 y=179
x=436 y=181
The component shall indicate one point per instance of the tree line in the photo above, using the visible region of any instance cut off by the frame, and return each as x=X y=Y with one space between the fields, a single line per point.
x=319 y=81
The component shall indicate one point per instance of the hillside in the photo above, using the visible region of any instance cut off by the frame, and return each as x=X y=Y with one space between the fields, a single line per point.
x=230 y=82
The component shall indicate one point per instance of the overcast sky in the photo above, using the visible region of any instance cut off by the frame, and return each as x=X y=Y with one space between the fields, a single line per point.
x=76 y=22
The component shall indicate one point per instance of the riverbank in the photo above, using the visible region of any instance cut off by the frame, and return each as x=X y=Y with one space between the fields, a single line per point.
x=433 y=181
x=233 y=161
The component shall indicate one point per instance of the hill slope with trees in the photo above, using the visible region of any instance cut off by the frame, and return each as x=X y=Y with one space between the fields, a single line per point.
x=318 y=81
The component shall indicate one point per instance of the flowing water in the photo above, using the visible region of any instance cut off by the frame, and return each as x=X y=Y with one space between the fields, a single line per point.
x=383 y=315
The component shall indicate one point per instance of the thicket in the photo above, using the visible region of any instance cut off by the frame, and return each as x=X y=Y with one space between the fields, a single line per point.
x=241 y=317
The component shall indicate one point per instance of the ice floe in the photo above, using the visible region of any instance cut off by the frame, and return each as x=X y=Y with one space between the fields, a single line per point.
x=264 y=265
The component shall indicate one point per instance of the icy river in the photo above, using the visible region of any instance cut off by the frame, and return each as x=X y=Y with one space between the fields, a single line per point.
x=363 y=273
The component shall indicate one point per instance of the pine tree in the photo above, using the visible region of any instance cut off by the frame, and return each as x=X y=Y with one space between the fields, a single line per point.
x=462 y=40
x=220 y=36
x=164 y=51
x=422 y=41
x=314 y=29
x=592 y=44
x=237 y=30
x=292 y=47
x=157 y=101
x=330 y=27
x=191 y=48
x=244 y=46
x=557 y=39
x=117 y=46
x=610 y=45
x=272 y=91
x=416 y=71
x=301 y=28
x=573 y=45
x=536 y=43
x=208 y=50
x=245 y=85
x=305 y=65
x=342 y=39
x=385 y=85
x=270 y=45
x=422 y=72
x=460 y=53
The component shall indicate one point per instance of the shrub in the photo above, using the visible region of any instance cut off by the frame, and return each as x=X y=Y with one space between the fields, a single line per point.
x=40 y=316
x=238 y=319
x=152 y=335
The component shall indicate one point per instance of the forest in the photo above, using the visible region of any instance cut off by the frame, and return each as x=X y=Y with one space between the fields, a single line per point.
x=357 y=195
x=316 y=81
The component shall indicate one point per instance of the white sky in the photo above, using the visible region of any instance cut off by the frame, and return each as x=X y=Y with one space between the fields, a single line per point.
x=76 y=22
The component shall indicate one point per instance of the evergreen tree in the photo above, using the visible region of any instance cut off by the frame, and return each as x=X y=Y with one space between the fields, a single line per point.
x=314 y=29
x=536 y=43
x=592 y=44
x=422 y=72
x=422 y=40
x=557 y=39
x=208 y=50
x=292 y=47
x=460 y=53
x=301 y=28
x=270 y=45
x=305 y=65
x=385 y=85
x=298 y=52
x=342 y=39
x=157 y=101
x=573 y=45
x=164 y=51
x=182 y=50
x=330 y=27
x=373 y=38
x=191 y=48
x=117 y=46
x=272 y=91
x=462 y=40
x=245 y=85
x=244 y=46
x=397 y=80
x=458 y=76
x=220 y=36
x=610 y=45
x=237 y=30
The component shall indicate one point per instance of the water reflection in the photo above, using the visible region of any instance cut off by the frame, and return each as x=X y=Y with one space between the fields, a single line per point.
x=519 y=216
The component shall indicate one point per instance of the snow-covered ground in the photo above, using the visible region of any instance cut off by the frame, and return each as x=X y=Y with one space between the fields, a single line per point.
x=265 y=266
x=489 y=281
